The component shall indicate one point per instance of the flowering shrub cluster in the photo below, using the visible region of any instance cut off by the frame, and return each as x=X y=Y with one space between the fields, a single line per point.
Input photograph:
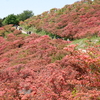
x=17 y=32
x=6 y=28
x=78 y=20
x=40 y=68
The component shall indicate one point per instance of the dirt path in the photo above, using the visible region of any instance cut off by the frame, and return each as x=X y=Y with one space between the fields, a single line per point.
x=24 y=32
x=19 y=28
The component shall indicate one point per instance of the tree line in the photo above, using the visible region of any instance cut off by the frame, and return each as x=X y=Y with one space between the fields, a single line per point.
x=15 y=19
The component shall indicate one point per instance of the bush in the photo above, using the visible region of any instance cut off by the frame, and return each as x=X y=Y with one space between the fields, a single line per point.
x=17 y=32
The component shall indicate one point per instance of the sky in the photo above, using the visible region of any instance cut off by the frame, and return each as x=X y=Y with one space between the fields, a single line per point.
x=15 y=7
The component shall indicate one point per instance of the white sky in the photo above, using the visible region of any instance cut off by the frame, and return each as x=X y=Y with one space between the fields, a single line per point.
x=8 y=7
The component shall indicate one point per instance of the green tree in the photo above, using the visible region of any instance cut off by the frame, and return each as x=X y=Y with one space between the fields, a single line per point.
x=26 y=14
x=10 y=19
x=1 y=22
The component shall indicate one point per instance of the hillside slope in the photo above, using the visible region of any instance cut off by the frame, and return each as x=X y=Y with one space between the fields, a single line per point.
x=79 y=20
x=35 y=67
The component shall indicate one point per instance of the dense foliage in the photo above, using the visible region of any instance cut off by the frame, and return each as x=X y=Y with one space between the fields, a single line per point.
x=25 y=15
x=0 y=22
x=4 y=30
x=10 y=19
x=14 y=19
x=78 y=20
x=40 y=68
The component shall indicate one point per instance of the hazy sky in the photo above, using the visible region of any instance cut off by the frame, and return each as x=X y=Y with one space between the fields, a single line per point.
x=8 y=7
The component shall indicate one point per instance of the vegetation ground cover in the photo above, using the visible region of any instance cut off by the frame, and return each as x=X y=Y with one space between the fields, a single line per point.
x=37 y=67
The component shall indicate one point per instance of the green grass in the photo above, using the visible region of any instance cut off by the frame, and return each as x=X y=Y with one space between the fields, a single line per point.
x=34 y=30
x=85 y=42
x=81 y=42
x=25 y=34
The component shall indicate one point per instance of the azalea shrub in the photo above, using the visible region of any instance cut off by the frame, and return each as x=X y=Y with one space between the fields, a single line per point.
x=40 y=68
x=8 y=27
x=17 y=32
x=5 y=29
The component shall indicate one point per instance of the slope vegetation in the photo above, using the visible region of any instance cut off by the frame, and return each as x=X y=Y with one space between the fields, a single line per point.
x=79 y=20
x=38 y=67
